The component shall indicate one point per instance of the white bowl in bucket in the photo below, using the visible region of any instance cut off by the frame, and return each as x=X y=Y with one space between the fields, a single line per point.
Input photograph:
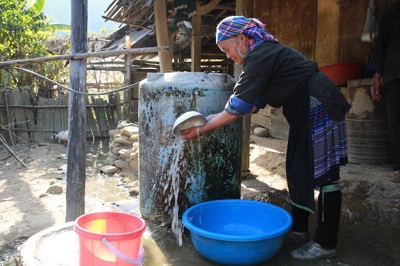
x=237 y=232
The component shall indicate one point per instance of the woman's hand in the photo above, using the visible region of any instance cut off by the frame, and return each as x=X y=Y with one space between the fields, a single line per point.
x=190 y=133
x=375 y=87
x=214 y=121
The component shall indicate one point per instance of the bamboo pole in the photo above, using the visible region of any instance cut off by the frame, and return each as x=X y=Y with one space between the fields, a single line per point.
x=76 y=56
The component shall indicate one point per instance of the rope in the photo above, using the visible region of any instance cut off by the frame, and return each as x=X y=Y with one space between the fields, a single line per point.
x=69 y=89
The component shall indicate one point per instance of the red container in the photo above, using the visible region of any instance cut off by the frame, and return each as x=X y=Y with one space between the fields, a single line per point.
x=341 y=73
x=110 y=239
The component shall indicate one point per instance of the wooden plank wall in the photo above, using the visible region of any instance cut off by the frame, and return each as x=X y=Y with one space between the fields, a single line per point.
x=293 y=23
x=39 y=122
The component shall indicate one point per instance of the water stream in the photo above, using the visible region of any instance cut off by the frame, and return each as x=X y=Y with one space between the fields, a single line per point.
x=174 y=177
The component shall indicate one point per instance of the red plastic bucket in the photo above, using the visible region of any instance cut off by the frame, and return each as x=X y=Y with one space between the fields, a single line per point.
x=110 y=238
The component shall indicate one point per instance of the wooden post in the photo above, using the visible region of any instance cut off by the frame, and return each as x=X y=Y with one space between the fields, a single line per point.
x=243 y=7
x=196 y=43
x=8 y=109
x=127 y=93
x=160 y=9
x=76 y=152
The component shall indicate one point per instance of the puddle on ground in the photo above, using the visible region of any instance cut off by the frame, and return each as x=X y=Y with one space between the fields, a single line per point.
x=101 y=189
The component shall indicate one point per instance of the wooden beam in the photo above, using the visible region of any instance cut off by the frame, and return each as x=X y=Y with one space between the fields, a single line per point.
x=160 y=9
x=76 y=152
x=196 y=43
x=204 y=9
x=75 y=56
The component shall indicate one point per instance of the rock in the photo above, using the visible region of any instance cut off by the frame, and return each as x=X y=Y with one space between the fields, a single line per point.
x=116 y=150
x=108 y=169
x=133 y=156
x=121 y=164
x=261 y=132
x=134 y=137
x=122 y=140
x=135 y=146
x=113 y=133
x=55 y=190
x=134 y=166
x=128 y=131
x=110 y=161
x=124 y=153
x=124 y=123
x=253 y=126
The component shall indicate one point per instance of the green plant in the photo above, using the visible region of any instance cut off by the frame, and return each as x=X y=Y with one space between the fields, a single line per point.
x=24 y=30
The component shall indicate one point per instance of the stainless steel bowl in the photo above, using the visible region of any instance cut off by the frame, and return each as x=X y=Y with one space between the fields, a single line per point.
x=188 y=120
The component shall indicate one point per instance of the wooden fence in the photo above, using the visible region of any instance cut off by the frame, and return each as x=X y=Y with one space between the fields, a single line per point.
x=22 y=119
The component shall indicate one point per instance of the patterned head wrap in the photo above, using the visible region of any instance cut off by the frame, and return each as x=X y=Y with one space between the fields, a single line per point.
x=234 y=25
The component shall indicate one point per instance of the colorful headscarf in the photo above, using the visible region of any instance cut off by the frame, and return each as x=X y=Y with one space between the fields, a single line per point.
x=234 y=25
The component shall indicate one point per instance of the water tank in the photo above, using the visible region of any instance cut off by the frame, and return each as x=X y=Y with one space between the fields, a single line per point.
x=177 y=172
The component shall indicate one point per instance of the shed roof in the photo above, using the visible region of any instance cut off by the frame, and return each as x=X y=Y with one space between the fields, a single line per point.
x=137 y=20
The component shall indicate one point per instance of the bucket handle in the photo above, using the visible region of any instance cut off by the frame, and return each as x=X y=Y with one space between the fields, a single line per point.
x=138 y=261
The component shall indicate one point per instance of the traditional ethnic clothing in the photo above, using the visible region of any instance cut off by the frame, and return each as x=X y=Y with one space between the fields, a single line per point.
x=314 y=107
x=234 y=25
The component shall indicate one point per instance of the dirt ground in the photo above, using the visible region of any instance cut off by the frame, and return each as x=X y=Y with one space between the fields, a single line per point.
x=33 y=199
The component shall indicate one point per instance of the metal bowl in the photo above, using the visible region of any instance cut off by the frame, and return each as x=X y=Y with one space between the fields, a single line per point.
x=188 y=120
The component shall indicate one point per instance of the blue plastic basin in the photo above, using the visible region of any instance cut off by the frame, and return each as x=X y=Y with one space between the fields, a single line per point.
x=237 y=232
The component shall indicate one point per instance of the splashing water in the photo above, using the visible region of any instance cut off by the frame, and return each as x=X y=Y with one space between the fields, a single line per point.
x=179 y=162
x=174 y=177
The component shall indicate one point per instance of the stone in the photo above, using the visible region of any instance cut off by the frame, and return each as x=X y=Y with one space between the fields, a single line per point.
x=128 y=131
x=110 y=161
x=113 y=133
x=261 y=132
x=121 y=164
x=134 y=166
x=134 y=137
x=124 y=123
x=57 y=190
x=253 y=126
x=124 y=153
x=108 y=169
x=122 y=140
x=134 y=156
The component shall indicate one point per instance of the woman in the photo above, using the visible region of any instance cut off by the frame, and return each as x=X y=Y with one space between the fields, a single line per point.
x=385 y=65
x=277 y=75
